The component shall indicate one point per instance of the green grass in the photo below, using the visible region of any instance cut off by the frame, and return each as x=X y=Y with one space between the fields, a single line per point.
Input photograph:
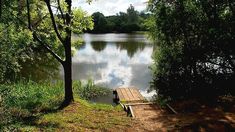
x=84 y=116
x=89 y=90
x=29 y=106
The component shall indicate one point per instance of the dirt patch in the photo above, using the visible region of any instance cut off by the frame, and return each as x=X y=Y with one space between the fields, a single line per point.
x=192 y=116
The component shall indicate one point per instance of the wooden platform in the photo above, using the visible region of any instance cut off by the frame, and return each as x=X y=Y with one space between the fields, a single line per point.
x=135 y=104
x=128 y=95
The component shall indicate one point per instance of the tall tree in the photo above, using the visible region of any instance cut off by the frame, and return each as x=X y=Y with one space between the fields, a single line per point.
x=132 y=15
x=50 y=24
x=100 y=22
x=63 y=22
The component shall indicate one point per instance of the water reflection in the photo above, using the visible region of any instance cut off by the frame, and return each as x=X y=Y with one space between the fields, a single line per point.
x=131 y=47
x=114 y=60
x=98 y=46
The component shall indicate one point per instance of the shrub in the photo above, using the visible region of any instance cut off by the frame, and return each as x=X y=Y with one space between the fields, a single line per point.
x=89 y=90
x=195 y=52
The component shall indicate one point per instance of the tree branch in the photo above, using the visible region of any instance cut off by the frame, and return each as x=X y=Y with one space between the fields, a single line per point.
x=61 y=12
x=47 y=48
x=38 y=39
x=1 y=8
x=53 y=21
x=29 y=16
x=35 y=24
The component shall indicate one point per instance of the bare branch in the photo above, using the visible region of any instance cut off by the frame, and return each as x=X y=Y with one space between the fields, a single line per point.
x=53 y=21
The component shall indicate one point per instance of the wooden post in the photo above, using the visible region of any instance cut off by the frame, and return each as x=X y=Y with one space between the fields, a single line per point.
x=115 y=98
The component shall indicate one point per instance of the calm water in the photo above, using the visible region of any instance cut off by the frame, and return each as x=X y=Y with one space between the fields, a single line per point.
x=114 y=60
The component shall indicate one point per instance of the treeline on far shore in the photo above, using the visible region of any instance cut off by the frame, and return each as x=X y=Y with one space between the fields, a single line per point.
x=122 y=22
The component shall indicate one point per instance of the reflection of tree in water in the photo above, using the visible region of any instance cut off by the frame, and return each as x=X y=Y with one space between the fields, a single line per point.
x=41 y=68
x=131 y=47
x=98 y=46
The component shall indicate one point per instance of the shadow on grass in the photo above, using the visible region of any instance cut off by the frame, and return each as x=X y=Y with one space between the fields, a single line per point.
x=32 y=121
x=19 y=121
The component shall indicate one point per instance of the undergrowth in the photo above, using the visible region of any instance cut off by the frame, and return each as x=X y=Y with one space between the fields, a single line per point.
x=23 y=102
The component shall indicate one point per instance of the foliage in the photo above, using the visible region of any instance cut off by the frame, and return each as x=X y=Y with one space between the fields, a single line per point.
x=195 y=53
x=14 y=47
x=90 y=90
x=30 y=95
x=19 y=53
x=22 y=100
x=161 y=100
x=127 y=22
x=81 y=21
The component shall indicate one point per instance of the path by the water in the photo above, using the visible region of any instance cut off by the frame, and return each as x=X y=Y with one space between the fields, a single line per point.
x=150 y=117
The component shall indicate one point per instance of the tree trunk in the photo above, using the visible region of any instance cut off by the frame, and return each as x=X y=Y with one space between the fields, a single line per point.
x=67 y=65
x=68 y=98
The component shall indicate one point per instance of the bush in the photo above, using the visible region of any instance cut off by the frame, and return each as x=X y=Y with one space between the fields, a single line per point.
x=90 y=90
x=31 y=95
x=195 y=54
x=23 y=100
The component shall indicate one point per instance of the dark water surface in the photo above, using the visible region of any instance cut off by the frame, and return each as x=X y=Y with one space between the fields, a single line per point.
x=114 y=60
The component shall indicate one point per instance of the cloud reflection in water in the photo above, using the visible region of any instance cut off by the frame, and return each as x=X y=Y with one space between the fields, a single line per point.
x=114 y=60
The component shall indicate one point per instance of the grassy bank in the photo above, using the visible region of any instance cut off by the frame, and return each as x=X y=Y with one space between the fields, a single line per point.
x=33 y=107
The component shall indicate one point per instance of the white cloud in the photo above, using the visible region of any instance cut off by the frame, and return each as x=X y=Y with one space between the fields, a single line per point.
x=109 y=7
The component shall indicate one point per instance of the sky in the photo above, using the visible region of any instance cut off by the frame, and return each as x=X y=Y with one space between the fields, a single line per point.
x=109 y=7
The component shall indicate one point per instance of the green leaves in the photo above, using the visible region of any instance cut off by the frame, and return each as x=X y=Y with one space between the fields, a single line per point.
x=15 y=46
x=193 y=39
x=81 y=21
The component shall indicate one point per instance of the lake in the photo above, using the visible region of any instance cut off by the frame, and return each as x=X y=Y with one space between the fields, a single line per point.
x=114 y=60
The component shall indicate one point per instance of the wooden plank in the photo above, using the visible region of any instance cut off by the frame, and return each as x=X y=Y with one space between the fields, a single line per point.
x=131 y=98
x=122 y=105
x=171 y=108
x=134 y=93
x=141 y=96
x=129 y=95
x=133 y=104
x=137 y=93
x=123 y=91
x=119 y=94
x=123 y=95
x=134 y=97
x=132 y=112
